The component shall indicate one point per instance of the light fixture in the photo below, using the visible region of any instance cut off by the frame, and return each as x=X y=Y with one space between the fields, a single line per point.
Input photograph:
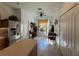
x=41 y=12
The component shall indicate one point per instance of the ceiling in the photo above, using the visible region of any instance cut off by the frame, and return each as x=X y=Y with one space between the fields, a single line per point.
x=21 y=4
x=53 y=6
x=12 y=4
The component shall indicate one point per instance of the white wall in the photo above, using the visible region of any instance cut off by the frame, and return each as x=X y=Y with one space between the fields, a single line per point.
x=29 y=13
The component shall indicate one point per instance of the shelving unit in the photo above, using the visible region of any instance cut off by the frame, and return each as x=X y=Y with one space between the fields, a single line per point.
x=8 y=26
x=14 y=31
x=4 y=40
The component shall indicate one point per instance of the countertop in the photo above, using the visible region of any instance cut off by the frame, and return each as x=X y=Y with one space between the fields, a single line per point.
x=21 y=48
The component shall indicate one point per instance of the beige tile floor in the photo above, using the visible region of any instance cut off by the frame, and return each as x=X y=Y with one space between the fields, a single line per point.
x=47 y=49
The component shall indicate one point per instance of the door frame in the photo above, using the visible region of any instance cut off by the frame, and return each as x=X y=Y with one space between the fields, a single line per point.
x=43 y=20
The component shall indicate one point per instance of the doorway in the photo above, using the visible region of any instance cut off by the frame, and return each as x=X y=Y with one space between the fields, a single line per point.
x=43 y=27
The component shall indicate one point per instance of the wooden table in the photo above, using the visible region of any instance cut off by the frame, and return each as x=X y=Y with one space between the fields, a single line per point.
x=24 y=47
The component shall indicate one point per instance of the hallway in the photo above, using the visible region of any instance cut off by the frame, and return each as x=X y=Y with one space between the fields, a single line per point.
x=52 y=28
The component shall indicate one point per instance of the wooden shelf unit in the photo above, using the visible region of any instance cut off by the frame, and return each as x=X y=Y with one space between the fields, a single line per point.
x=4 y=40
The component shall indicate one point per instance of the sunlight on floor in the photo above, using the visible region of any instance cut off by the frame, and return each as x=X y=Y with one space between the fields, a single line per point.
x=46 y=47
x=42 y=42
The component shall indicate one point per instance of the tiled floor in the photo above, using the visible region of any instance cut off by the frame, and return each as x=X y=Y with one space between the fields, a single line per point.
x=47 y=49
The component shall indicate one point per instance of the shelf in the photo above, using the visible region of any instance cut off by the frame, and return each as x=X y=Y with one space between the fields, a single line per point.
x=3 y=28
x=2 y=37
